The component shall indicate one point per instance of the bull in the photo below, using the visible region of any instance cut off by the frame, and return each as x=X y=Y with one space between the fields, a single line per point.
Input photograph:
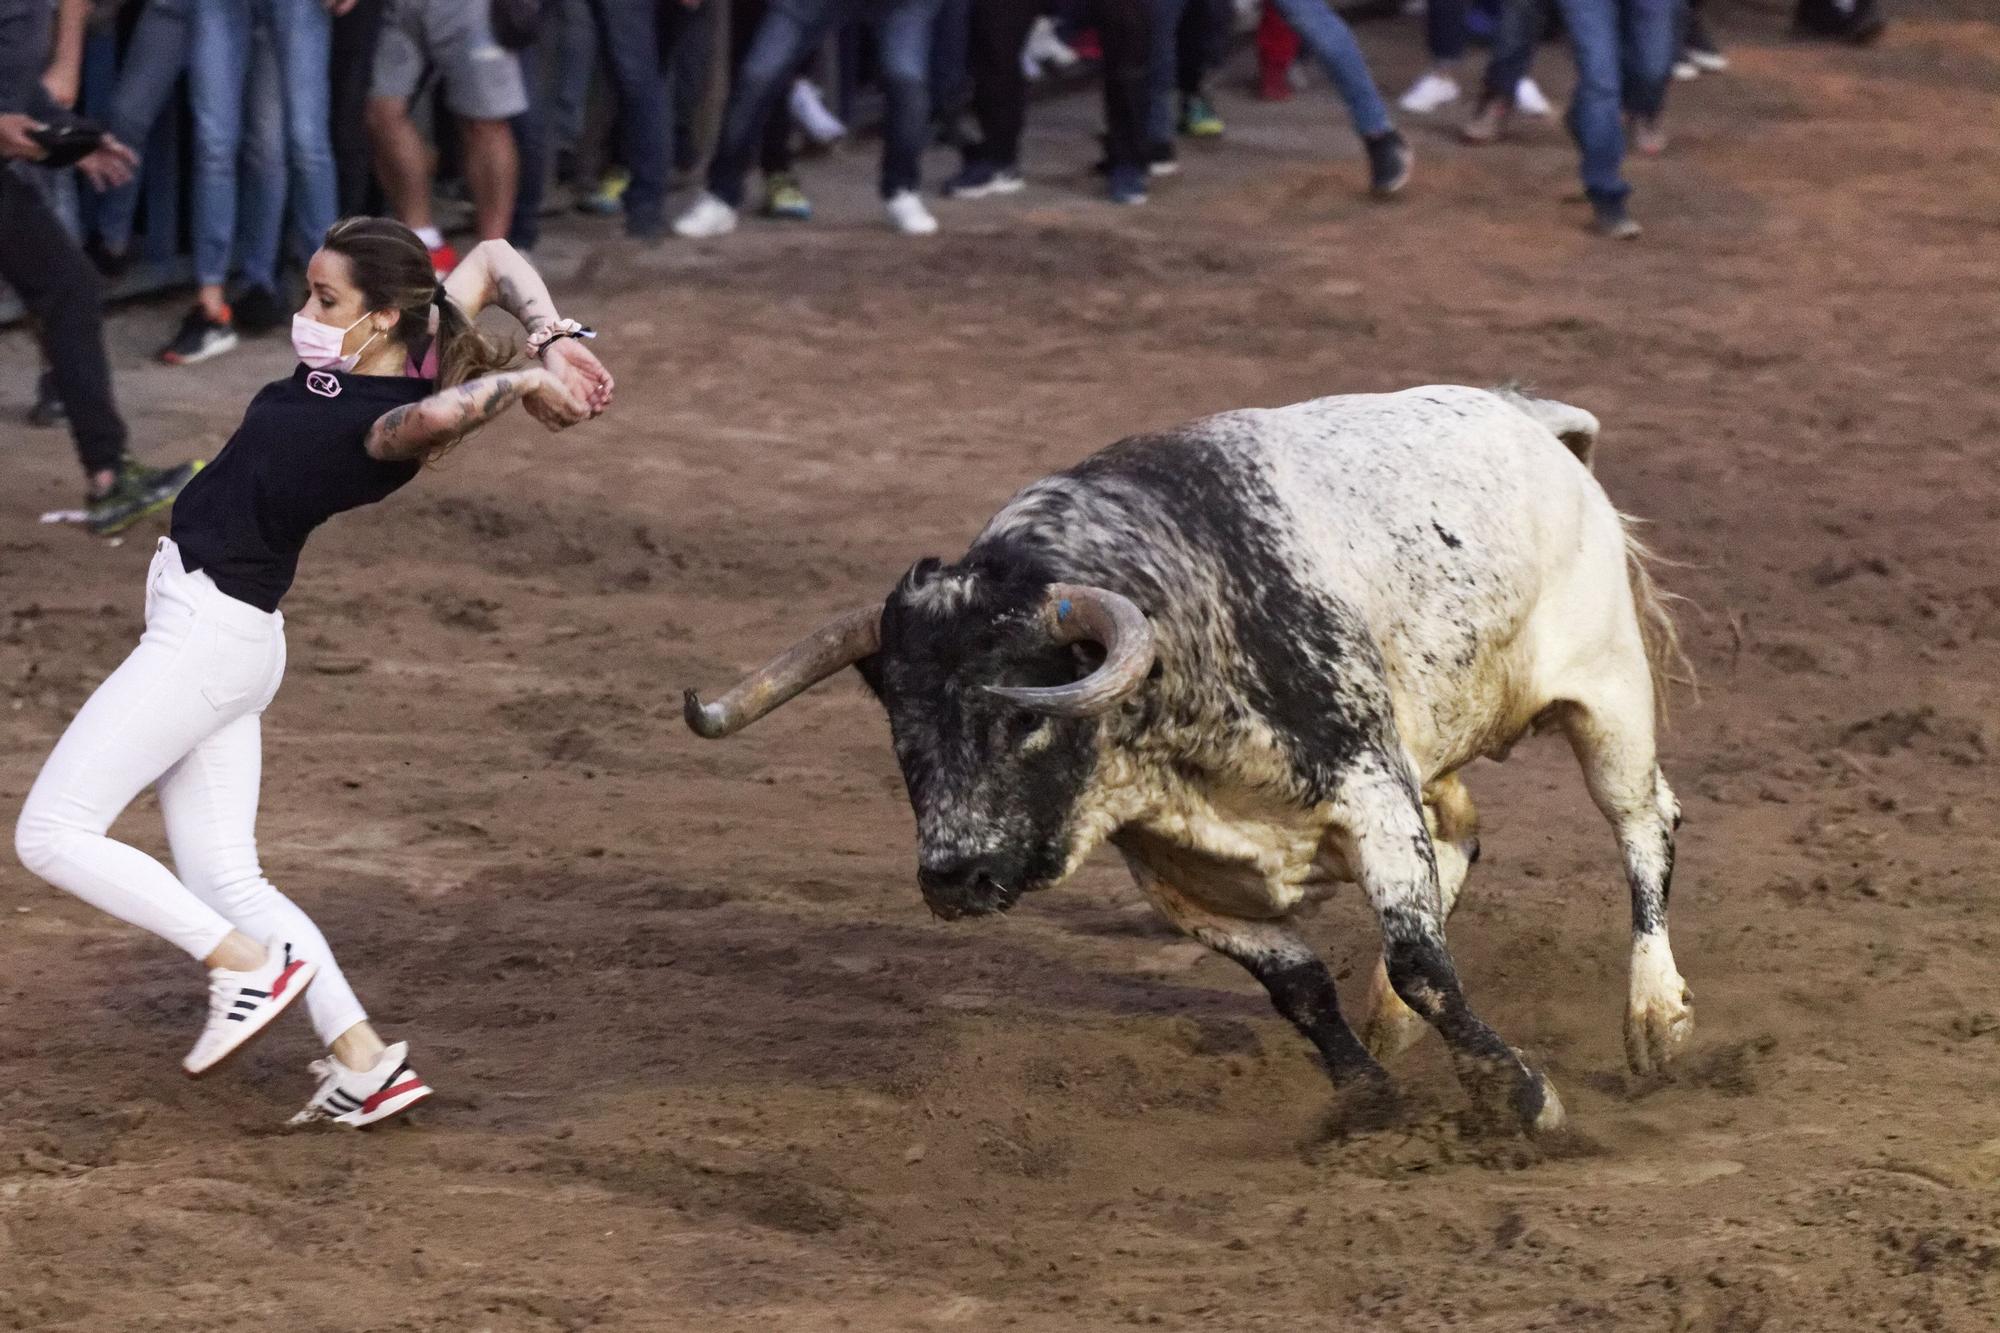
x=1252 y=653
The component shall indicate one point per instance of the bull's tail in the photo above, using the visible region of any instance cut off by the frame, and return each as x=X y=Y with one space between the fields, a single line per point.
x=1576 y=428
x=1665 y=658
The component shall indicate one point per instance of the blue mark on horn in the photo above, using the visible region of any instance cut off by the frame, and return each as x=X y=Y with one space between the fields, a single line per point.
x=1062 y=609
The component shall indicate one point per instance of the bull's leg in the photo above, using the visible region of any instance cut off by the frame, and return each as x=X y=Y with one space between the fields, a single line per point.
x=1299 y=984
x=1392 y=1027
x=1393 y=857
x=1613 y=739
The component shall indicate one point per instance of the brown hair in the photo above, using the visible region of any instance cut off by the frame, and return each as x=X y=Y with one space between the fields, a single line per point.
x=393 y=270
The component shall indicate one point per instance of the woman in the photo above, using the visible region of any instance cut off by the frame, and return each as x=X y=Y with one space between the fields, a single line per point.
x=392 y=373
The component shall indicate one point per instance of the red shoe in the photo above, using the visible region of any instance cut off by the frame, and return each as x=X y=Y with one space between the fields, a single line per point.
x=443 y=259
x=1274 y=85
x=1087 y=46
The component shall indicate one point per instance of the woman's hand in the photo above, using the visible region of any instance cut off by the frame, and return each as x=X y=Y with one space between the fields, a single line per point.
x=580 y=371
x=548 y=400
x=112 y=165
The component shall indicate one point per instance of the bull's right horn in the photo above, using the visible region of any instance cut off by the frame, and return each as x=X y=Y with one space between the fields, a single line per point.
x=837 y=644
x=1079 y=613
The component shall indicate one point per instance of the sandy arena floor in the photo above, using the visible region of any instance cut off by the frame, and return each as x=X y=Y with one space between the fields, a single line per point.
x=704 y=1061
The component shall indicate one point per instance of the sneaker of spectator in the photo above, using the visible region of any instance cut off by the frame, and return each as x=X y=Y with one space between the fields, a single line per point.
x=1648 y=136
x=1488 y=124
x=1045 y=50
x=1162 y=160
x=48 y=408
x=1199 y=119
x=608 y=199
x=709 y=217
x=1685 y=69
x=810 y=112
x=1433 y=92
x=1856 y=21
x=907 y=214
x=1611 y=219
x=137 y=490
x=1390 y=163
x=980 y=180
x=204 y=333
x=258 y=310
x=1127 y=185
x=1530 y=100
x=785 y=198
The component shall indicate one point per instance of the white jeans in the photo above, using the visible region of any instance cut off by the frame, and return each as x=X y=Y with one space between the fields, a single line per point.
x=185 y=711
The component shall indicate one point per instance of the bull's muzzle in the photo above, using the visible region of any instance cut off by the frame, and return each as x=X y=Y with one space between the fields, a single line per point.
x=971 y=886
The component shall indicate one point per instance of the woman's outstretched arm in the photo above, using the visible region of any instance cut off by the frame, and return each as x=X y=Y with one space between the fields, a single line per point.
x=495 y=273
x=417 y=430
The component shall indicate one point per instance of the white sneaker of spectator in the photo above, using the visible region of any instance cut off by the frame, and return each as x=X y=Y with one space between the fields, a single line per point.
x=812 y=115
x=1430 y=93
x=1529 y=99
x=908 y=215
x=709 y=217
x=1044 y=50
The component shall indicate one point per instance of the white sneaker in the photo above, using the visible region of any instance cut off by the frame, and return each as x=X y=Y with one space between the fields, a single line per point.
x=810 y=111
x=1429 y=93
x=908 y=215
x=361 y=1097
x=242 y=1004
x=1685 y=69
x=1044 y=50
x=1529 y=99
x=709 y=217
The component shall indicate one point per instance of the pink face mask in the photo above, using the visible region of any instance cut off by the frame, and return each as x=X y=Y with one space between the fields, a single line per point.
x=318 y=345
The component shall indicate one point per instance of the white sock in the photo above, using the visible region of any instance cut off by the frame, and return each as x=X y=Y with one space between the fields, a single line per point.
x=430 y=236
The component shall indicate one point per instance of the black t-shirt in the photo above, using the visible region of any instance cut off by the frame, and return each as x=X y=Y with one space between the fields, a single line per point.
x=298 y=459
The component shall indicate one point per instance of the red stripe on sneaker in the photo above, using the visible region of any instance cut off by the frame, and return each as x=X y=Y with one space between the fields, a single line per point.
x=410 y=1085
x=285 y=979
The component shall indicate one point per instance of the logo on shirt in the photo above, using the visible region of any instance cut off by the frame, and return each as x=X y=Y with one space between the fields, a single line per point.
x=324 y=383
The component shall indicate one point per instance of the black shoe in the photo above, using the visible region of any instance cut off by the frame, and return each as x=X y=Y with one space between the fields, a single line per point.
x=1162 y=160
x=139 y=490
x=111 y=263
x=1389 y=163
x=200 y=338
x=257 y=310
x=48 y=409
x=1608 y=218
x=1861 y=24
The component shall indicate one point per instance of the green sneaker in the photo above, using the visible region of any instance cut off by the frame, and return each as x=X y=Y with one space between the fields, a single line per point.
x=1198 y=119
x=784 y=199
x=609 y=197
x=140 y=490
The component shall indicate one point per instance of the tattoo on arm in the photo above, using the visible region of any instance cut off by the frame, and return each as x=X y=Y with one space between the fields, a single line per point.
x=416 y=430
x=528 y=302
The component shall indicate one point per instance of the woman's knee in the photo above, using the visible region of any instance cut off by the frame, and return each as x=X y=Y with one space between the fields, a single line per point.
x=38 y=838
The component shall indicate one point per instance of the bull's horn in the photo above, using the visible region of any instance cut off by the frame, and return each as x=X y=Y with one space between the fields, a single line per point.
x=1076 y=613
x=837 y=644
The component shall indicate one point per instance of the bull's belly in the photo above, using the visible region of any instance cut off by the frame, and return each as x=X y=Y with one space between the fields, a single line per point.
x=1235 y=885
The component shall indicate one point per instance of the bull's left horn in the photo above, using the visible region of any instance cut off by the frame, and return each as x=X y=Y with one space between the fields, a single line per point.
x=837 y=644
x=1075 y=613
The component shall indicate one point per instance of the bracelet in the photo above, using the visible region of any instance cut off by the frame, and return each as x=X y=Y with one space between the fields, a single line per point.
x=539 y=340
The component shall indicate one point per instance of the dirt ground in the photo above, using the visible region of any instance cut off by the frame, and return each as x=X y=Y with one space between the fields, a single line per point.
x=704 y=1061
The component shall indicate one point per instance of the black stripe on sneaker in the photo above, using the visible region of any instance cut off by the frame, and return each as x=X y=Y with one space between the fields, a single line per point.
x=337 y=1097
x=260 y=994
x=246 y=1004
x=234 y=1018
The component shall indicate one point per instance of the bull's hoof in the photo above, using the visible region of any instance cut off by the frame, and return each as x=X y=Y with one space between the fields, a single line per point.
x=1511 y=1097
x=1658 y=1028
x=1392 y=1027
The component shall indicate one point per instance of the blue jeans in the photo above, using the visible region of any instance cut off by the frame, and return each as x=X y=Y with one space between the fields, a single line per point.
x=791 y=28
x=154 y=61
x=1520 y=27
x=1163 y=25
x=640 y=38
x=1329 y=38
x=283 y=113
x=1624 y=57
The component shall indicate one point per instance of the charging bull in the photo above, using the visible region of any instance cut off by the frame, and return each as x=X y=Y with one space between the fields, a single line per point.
x=1252 y=653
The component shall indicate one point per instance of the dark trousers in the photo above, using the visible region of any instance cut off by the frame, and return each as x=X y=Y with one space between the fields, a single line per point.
x=641 y=39
x=352 y=66
x=61 y=291
x=999 y=86
x=1202 y=42
x=774 y=149
x=1000 y=89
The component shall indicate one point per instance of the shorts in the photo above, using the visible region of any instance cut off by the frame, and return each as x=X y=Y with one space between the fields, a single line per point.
x=482 y=79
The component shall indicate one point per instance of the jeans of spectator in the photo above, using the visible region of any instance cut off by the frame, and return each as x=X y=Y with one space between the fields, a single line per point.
x=1203 y=42
x=1519 y=30
x=155 y=58
x=355 y=34
x=693 y=61
x=576 y=63
x=793 y=28
x=774 y=148
x=533 y=130
x=1444 y=30
x=996 y=33
x=640 y=38
x=1328 y=37
x=1163 y=26
x=1121 y=30
x=1624 y=58
x=220 y=72
x=42 y=262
